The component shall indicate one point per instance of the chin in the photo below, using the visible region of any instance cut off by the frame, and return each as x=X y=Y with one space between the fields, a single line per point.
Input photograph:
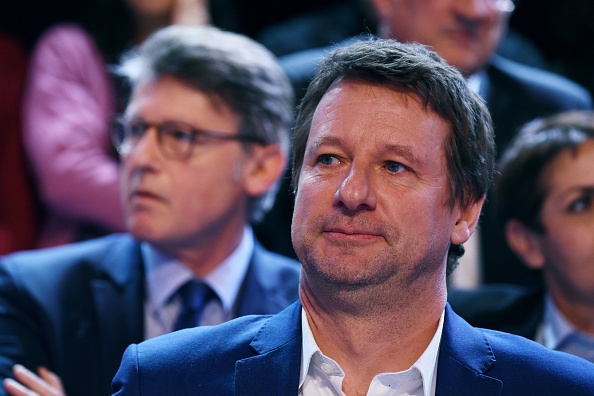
x=350 y=273
x=143 y=232
x=466 y=61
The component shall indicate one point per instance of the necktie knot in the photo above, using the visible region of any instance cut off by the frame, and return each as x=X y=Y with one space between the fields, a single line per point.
x=194 y=296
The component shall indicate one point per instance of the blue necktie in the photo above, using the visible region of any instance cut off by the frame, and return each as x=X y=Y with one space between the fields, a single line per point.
x=194 y=296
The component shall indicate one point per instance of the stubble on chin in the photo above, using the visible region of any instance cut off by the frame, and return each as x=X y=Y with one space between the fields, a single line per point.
x=345 y=264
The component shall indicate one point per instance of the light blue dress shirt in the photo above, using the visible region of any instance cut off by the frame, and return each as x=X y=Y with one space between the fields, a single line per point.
x=165 y=275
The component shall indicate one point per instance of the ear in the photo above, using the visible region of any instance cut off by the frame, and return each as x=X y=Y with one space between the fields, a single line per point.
x=525 y=243
x=466 y=222
x=264 y=167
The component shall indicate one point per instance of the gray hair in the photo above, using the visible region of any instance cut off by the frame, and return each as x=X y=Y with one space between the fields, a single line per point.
x=230 y=67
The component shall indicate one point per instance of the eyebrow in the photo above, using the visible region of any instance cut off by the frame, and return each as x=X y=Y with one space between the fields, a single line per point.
x=400 y=150
x=403 y=151
x=584 y=189
x=581 y=189
x=325 y=140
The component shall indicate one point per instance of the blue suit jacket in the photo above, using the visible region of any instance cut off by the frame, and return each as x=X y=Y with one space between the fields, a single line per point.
x=261 y=355
x=76 y=308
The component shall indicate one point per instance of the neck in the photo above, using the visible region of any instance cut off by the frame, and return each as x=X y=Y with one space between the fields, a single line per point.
x=203 y=254
x=373 y=331
x=579 y=313
x=145 y=26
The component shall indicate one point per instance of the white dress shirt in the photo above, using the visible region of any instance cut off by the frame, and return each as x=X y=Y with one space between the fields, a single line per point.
x=322 y=376
x=165 y=275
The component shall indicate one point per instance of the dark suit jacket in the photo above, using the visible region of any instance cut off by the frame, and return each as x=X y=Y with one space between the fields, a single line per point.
x=261 y=355
x=510 y=308
x=76 y=308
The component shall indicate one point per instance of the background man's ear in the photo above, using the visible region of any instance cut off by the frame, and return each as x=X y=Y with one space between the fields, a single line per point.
x=526 y=243
x=265 y=166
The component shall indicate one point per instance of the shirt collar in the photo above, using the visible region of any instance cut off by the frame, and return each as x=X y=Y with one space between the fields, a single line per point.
x=474 y=82
x=426 y=364
x=555 y=327
x=164 y=275
x=479 y=83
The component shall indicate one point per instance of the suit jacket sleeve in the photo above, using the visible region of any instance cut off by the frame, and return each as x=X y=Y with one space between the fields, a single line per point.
x=126 y=379
x=20 y=335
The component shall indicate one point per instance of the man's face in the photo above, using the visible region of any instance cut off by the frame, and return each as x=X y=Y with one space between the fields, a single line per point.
x=371 y=204
x=189 y=203
x=464 y=32
x=567 y=215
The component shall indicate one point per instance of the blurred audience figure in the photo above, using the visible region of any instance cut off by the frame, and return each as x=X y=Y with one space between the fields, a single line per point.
x=563 y=30
x=70 y=96
x=319 y=27
x=545 y=197
x=467 y=34
x=204 y=141
x=18 y=204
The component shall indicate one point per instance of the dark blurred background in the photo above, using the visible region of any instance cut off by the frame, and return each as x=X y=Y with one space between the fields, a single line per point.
x=562 y=31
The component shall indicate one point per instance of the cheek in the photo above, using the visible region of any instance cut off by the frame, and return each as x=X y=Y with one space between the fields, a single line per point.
x=315 y=190
x=310 y=197
x=570 y=259
x=568 y=246
x=494 y=35
x=302 y=200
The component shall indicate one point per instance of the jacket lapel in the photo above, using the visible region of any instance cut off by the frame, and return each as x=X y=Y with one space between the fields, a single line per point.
x=118 y=299
x=262 y=292
x=275 y=368
x=464 y=356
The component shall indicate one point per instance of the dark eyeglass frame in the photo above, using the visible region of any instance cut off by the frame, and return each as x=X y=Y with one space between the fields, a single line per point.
x=125 y=137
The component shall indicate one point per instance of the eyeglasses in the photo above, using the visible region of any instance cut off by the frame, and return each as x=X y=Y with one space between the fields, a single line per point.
x=176 y=140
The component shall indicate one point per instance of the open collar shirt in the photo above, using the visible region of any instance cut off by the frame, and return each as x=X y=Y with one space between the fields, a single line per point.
x=165 y=275
x=322 y=376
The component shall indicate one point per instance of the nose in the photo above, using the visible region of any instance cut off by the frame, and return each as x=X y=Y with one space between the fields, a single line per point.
x=356 y=192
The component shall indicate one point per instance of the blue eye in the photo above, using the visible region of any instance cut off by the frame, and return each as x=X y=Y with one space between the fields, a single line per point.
x=181 y=135
x=394 y=166
x=177 y=132
x=581 y=204
x=326 y=159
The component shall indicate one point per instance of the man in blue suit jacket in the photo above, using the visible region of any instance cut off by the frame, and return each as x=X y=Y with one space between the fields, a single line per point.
x=264 y=358
x=393 y=155
x=203 y=142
